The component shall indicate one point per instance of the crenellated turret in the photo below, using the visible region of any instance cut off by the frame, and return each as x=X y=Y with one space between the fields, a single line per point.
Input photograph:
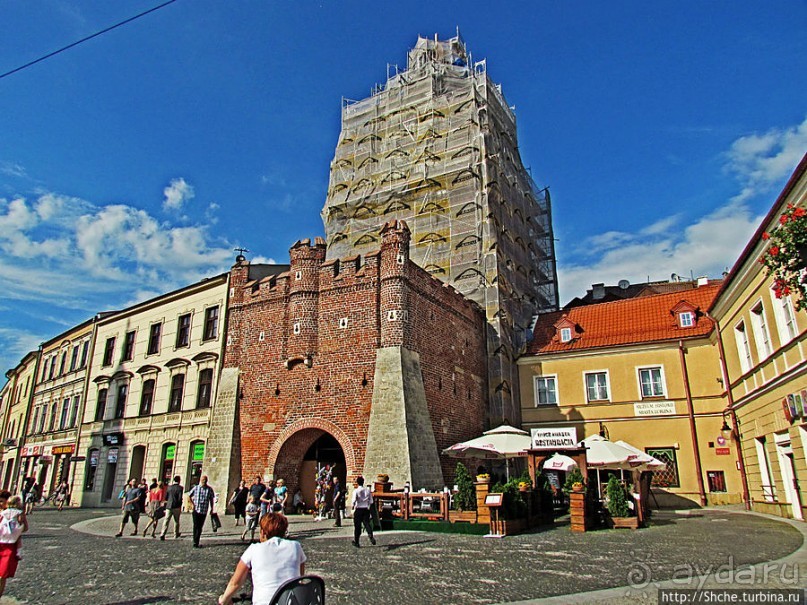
x=395 y=237
x=306 y=261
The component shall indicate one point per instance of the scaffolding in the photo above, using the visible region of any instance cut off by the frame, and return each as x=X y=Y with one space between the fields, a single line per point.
x=436 y=146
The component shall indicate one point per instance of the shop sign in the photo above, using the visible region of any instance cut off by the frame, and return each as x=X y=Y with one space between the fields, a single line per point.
x=112 y=455
x=198 y=451
x=31 y=450
x=795 y=406
x=654 y=408
x=722 y=451
x=170 y=452
x=62 y=449
x=94 y=455
x=552 y=439
x=113 y=439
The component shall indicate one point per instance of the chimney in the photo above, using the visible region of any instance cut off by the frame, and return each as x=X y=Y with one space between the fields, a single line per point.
x=597 y=291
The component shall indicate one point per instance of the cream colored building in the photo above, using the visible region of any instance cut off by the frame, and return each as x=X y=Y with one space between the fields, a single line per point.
x=642 y=370
x=58 y=400
x=152 y=381
x=763 y=339
x=17 y=396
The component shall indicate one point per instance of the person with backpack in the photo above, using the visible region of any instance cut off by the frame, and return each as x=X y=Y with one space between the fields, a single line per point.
x=13 y=523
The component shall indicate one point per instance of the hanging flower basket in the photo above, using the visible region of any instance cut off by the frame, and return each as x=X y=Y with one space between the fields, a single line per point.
x=785 y=258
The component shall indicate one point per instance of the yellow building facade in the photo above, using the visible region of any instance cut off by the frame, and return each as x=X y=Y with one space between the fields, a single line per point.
x=646 y=371
x=763 y=342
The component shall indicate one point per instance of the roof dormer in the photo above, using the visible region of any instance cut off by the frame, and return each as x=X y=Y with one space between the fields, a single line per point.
x=566 y=330
x=686 y=314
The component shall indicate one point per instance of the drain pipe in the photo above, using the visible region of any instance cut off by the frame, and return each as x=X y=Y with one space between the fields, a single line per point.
x=735 y=425
x=692 y=427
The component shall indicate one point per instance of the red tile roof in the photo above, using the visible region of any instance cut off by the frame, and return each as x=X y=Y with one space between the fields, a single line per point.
x=624 y=322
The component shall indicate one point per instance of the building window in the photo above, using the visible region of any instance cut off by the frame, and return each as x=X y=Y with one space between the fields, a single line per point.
x=85 y=350
x=177 y=387
x=74 y=413
x=651 y=382
x=33 y=424
x=147 y=397
x=154 y=339
x=546 y=391
x=74 y=358
x=54 y=408
x=120 y=402
x=100 y=406
x=52 y=367
x=597 y=386
x=667 y=477
x=766 y=476
x=743 y=348
x=761 y=334
x=109 y=351
x=63 y=363
x=785 y=317
x=686 y=319
x=716 y=480
x=565 y=334
x=45 y=370
x=211 y=330
x=167 y=466
x=65 y=414
x=128 y=346
x=205 y=388
x=92 y=467
x=183 y=331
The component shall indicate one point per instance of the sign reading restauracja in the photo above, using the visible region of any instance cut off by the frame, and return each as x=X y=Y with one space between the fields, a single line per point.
x=550 y=439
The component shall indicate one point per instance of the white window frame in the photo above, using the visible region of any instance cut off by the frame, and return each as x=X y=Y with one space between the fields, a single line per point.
x=686 y=319
x=546 y=378
x=785 y=316
x=762 y=336
x=662 y=381
x=607 y=385
x=565 y=334
x=743 y=346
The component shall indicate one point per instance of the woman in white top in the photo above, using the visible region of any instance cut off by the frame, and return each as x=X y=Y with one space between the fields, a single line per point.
x=273 y=561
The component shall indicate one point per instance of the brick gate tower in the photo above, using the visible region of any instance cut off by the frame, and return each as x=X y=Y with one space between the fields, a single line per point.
x=436 y=146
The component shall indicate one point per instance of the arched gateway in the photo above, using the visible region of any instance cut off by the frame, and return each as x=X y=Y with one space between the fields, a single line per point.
x=305 y=444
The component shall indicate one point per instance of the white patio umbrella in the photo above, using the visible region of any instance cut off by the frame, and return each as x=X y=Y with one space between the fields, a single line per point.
x=502 y=443
x=559 y=462
x=604 y=454
x=648 y=462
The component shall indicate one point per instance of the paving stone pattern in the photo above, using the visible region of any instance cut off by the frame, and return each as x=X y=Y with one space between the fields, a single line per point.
x=71 y=557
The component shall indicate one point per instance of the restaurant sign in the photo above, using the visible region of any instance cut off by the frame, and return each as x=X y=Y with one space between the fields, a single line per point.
x=552 y=439
x=63 y=449
x=795 y=406
x=654 y=408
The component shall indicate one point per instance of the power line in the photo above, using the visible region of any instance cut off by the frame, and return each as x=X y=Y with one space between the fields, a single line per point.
x=95 y=35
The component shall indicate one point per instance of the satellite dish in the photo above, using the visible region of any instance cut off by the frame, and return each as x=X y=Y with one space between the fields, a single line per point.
x=624 y=284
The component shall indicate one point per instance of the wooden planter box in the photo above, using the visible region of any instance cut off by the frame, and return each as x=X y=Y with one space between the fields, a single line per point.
x=624 y=522
x=508 y=527
x=468 y=516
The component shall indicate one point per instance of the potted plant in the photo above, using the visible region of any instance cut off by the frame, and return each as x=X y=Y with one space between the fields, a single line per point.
x=785 y=258
x=465 y=498
x=617 y=505
x=574 y=482
x=483 y=478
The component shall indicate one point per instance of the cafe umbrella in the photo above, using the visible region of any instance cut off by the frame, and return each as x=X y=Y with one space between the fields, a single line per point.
x=502 y=443
x=602 y=454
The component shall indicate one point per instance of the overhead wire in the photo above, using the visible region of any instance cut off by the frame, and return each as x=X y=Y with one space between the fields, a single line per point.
x=90 y=37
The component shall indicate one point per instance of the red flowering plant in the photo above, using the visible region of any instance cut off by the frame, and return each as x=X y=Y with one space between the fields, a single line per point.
x=786 y=256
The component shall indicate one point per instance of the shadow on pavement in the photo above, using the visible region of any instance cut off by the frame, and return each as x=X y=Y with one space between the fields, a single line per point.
x=404 y=544
x=143 y=601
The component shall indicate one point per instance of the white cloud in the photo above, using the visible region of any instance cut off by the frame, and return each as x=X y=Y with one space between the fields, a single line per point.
x=707 y=246
x=761 y=160
x=176 y=194
x=12 y=169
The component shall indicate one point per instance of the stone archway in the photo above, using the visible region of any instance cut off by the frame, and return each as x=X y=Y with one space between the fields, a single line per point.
x=287 y=453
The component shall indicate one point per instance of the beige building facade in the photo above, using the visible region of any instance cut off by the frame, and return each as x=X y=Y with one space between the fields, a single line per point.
x=765 y=363
x=152 y=381
x=645 y=371
x=17 y=396
x=52 y=430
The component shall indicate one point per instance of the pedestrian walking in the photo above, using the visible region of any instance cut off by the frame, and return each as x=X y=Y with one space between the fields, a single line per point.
x=131 y=507
x=62 y=495
x=338 y=501
x=31 y=496
x=360 y=502
x=12 y=524
x=156 y=508
x=252 y=511
x=201 y=496
x=173 y=507
x=239 y=502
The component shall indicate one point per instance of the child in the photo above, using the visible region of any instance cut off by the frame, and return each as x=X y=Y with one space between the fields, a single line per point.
x=17 y=522
x=252 y=519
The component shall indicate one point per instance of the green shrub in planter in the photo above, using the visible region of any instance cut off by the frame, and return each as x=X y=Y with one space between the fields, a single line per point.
x=466 y=492
x=617 y=498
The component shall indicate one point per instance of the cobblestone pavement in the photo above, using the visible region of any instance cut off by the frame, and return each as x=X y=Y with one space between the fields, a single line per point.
x=72 y=557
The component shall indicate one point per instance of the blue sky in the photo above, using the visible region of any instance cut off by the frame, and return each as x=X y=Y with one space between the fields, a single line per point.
x=132 y=164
